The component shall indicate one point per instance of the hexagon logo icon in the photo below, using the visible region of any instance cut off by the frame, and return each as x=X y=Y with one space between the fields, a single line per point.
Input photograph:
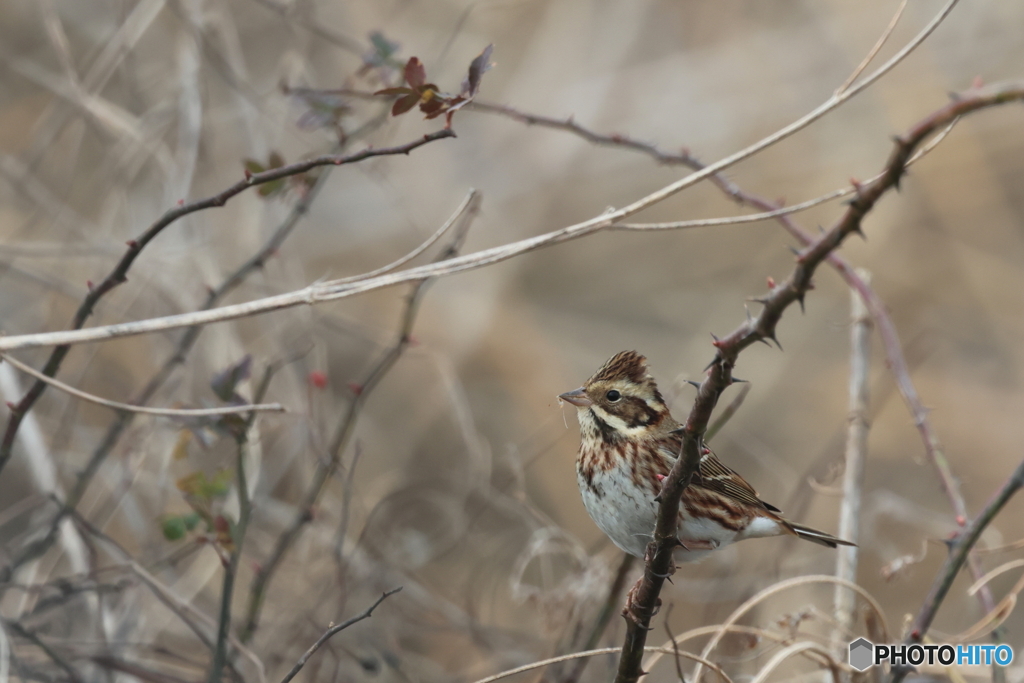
x=861 y=654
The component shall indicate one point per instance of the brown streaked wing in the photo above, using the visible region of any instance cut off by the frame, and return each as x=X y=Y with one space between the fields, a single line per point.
x=712 y=474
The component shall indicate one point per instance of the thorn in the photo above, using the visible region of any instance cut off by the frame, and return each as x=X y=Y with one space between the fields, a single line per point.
x=717 y=343
x=955 y=96
x=821 y=229
x=759 y=299
x=794 y=250
x=774 y=339
x=737 y=380
x=800 y=298
x=693 y=384
x=763 y=341
x=746 y=310
x=771 y=282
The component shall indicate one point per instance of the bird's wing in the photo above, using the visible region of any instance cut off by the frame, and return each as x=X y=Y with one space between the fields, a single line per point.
x=713 y=475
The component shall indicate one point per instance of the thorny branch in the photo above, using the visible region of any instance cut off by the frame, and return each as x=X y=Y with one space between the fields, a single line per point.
x=461 y=220
x=329 y=633
x=119 y=274
x=761 y=329
x=954 y=563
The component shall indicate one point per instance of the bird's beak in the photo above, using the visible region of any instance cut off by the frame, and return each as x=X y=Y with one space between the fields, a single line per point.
x=577 y=397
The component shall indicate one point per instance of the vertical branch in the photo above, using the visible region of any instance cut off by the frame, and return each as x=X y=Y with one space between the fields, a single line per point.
x=237 y=536
x=856 y=453
x=461 y=220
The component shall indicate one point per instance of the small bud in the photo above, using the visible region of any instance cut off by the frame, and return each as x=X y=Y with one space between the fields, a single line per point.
x=132 y=243
x=318 y=379
x=771 y=282
x=355 y=387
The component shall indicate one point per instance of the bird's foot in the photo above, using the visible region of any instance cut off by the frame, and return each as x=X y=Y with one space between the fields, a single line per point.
x=693 y=544
x=631 y=611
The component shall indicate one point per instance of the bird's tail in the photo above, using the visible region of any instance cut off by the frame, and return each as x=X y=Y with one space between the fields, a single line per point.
x=815 y=536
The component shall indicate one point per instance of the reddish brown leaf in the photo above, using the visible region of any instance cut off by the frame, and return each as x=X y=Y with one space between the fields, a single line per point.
x=394 y=91
x=415 y=73
x=404 y=104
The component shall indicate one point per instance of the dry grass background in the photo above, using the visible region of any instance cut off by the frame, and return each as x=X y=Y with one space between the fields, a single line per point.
x=464 y=491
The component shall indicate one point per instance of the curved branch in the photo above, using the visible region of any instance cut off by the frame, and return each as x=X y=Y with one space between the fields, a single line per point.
x=119 y=274
x=762 y=328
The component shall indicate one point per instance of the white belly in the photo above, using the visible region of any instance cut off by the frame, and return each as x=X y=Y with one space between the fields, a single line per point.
x=627 y=513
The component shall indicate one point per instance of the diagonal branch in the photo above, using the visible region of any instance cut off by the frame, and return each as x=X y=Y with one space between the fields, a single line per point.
x=955 y=562
x=329 y=633
x=762 y=328
x=462 y=218
x=119 y=274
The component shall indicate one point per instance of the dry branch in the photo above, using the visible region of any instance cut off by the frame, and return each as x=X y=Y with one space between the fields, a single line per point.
x=337 y=628
x=954 y=563
x=119 y=274
x=761 y=329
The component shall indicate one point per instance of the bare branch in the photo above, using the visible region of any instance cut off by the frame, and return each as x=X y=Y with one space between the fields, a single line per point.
x=143 y=410
x=856 y=452
x=955 y=562
x=463 y=215
x=759 y=328
x=329 y=633
x=119 y=274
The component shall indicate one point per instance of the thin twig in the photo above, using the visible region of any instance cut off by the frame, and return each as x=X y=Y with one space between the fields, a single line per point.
x=856 y=453
x=237 y=536
x=726 y=413
x=143 y=410
x=329 y=633
x=604 y=617
x=795 y=582
x=318 y=294
x=874 y=51
x=463 y=216
x=760 y=328
x=119 y=274
x=955 y=562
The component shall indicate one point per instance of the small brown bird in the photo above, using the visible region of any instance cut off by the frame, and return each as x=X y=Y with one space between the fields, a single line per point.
x=628 y=447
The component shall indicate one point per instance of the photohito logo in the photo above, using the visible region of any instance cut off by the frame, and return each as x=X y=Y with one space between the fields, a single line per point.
x=864 y=654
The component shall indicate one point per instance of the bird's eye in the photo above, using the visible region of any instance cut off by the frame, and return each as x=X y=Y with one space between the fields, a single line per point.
x=613 y=396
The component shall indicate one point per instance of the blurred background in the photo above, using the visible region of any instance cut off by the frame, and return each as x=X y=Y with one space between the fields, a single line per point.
x=458 y=480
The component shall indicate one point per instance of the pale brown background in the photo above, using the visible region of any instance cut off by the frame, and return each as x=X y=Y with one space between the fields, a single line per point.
x=467 y=459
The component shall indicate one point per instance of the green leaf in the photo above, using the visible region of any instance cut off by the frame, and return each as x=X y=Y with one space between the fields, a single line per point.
x=175 y=527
